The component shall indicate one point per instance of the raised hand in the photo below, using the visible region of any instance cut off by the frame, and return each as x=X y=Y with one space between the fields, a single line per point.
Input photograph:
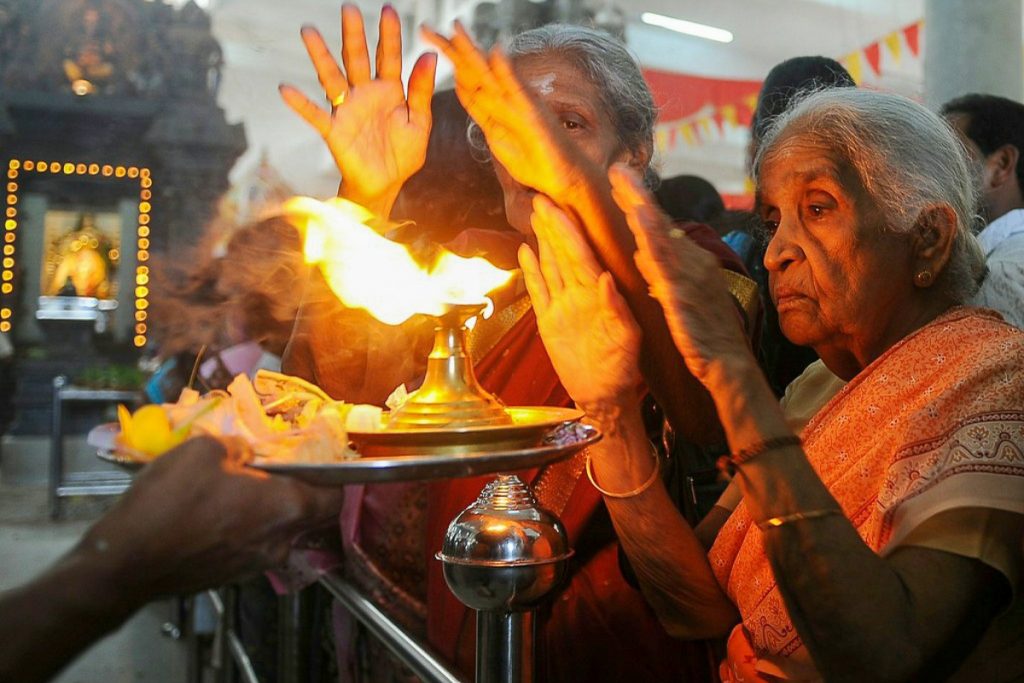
x=377 y=136
x=684 y=278
x=587 y=329
x=523 y=136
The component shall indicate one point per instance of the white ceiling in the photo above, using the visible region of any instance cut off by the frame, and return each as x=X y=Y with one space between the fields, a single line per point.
x=262 y=48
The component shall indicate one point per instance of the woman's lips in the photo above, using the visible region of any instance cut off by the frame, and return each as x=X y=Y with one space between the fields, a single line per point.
x=786 y=298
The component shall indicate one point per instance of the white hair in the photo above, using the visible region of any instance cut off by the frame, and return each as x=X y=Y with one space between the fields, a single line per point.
x=906 y=157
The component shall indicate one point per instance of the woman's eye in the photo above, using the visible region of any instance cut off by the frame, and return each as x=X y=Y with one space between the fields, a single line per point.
x=570 y=124
x=816 y=211
x=769 y=225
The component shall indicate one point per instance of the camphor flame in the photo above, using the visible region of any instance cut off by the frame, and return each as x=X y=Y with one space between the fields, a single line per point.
x=366 y=270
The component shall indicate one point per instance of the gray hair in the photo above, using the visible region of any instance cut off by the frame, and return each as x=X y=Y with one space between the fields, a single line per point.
x=906 y=157
x=609 y=66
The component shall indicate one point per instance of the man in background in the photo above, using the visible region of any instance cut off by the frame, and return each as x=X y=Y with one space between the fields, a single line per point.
x=992 y=128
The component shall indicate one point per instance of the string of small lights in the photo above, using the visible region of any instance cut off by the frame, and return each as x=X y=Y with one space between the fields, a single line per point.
x=17 y=167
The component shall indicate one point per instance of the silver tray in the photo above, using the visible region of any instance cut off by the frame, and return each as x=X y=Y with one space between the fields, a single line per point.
x=559 y=445
x=127 y=464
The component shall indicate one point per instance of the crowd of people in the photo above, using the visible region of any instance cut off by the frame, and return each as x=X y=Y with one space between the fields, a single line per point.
x=873 y=522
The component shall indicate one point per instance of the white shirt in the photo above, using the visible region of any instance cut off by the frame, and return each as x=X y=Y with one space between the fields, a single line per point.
x=1002 y=240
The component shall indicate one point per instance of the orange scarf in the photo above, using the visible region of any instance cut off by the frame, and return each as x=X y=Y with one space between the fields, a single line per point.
x=935 y=423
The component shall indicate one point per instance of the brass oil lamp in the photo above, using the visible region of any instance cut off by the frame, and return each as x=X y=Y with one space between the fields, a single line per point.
x=503 y=555
x=450 y=396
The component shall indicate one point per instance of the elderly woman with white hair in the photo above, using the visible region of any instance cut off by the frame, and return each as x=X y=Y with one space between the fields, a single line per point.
x=883 y=542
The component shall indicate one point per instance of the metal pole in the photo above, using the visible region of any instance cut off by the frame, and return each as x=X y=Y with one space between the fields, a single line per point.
x=424 y=664
x=56 y=446
x=293 y=647
x=504 y=643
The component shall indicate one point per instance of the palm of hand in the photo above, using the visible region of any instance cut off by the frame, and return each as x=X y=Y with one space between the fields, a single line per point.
x=593 y=350
x=376 y=140
x=535 y=155
x=698 y=309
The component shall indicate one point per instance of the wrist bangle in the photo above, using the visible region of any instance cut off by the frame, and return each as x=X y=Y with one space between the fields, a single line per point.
x=729 y=463
x=628 y=494
x=773 y=522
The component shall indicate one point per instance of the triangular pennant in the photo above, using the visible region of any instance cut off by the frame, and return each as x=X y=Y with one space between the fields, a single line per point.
x=688 y=133
x=892 y=42
x=661 y=140
x=673 y=137
x=705 y=126
x=745 y=114
x=716 y=116
x=873 y=54
x=854 y=66
x=728 y=113
x=913 y=35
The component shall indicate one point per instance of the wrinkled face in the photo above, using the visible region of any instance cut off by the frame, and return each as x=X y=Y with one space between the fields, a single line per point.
x=837 y=277
x=576 y=103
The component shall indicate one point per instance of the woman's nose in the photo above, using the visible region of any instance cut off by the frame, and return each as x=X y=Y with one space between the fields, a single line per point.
x=782 y=248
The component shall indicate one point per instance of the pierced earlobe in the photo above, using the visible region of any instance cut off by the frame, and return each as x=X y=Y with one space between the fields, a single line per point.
x=923 y=279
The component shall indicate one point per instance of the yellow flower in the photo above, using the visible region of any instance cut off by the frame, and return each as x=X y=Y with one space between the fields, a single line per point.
x=148 y=431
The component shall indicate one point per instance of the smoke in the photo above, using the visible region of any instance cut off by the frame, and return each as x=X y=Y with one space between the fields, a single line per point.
x=351 y=355
x=261 y=289
x=250 y=292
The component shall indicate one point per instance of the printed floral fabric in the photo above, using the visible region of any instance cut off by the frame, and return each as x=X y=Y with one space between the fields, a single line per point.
x=936 y=423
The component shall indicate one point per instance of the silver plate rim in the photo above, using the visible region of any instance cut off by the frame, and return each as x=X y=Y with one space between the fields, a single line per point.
x=434 y=466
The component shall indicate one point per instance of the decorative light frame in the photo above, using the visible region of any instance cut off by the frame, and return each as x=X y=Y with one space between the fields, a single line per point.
x=16 y=168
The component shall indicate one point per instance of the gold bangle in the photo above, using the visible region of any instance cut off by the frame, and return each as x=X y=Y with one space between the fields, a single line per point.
x=628 y=494
x=773 y=522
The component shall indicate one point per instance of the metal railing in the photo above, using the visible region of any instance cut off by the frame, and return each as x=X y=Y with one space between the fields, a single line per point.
x=423 y=662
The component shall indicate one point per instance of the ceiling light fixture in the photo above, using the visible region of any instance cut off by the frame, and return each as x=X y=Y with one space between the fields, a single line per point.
x=690 y=28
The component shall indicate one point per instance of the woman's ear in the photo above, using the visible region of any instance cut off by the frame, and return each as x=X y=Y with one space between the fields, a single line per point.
x=1002 y=164
x=933 y=236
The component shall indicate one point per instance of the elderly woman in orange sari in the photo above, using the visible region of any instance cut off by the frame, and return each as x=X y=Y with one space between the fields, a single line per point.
x=883 y=542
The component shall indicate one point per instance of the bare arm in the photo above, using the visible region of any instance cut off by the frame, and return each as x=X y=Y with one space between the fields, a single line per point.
x=194 y=518
x=859 y=614
x=46 y=623
x=676 y=580
x=585 y=325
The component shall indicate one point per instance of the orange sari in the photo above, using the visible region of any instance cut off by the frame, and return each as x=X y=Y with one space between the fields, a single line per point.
x=934 y=424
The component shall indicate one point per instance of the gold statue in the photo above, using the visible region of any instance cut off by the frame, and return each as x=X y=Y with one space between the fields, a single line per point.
x=84 y=258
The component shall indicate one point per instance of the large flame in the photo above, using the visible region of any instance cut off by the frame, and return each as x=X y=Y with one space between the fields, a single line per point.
x=366 y=270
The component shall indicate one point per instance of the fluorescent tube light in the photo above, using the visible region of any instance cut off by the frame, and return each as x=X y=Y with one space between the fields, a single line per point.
x=690 y=28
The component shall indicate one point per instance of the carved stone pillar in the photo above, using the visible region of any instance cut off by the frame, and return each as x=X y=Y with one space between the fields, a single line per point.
x=193 y=148
x=6 y=125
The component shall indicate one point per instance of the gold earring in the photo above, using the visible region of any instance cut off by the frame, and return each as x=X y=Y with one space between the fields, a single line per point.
x=923 y=279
